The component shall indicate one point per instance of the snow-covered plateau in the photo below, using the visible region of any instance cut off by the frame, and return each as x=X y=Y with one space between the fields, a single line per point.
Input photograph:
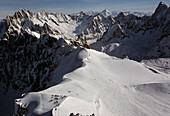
x=85 y=64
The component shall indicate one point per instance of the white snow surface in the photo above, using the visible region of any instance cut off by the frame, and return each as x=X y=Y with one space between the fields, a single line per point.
x=37 y=35
x=93 y=82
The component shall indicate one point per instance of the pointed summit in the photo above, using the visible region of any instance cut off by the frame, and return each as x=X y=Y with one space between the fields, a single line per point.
x=160 y=10
x=82 y=12
x=106 y=13
x=162 y=6
x=162 y=3
x=105 y=10
x=22 y=13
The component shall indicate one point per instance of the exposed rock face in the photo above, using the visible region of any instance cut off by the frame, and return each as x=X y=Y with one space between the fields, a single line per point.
x=115 y=31
x=22 y=51
x=92 y=27
x=32 y=45
x=138 y=37
x=160 y=10
x=26 y=61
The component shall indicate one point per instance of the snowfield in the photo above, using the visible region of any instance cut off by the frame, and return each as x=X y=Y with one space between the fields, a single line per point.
x=92 y=82
x=85 y=64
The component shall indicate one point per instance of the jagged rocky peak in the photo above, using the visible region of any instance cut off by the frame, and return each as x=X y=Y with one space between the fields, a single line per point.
x=82 y=16
x=43 y=12
x=160 y=10
x=129 y=15
x=99 y=17
x=63 y=17
x=42 y=15
x=115 y=31
x=82 y=13
x=13 y=24
x=106 y=12
x=23 y=14
x=121 y=15
x=126 y=18
x=163 y=5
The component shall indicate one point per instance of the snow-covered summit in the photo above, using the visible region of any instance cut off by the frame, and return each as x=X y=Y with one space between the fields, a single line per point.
x=106 y=13
x=146 y=37
x=35 y=47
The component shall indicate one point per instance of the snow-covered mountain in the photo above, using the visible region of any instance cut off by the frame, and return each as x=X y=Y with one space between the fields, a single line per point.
x=145 y=37
x=107 y=12
x=40 y=50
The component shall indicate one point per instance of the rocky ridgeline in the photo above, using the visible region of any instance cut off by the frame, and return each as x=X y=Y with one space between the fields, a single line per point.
x=22 y=20
x=30 y=55
x=27 y=62
x=32 y=45
x=146 y=37
x=27 y=57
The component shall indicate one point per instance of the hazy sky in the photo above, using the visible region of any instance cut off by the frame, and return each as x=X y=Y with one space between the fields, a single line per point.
x=71 y=6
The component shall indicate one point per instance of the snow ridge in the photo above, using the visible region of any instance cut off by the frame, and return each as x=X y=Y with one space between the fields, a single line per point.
x=96 y=88
x=52 y=50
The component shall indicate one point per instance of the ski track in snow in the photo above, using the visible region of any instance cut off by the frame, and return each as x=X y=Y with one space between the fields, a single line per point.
x=105 y=86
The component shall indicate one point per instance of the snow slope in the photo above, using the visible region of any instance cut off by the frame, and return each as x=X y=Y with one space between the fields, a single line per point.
x=92 y=82
x=33 y=45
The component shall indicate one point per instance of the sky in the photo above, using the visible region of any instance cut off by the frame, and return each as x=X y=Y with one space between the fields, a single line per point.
x=8 y=7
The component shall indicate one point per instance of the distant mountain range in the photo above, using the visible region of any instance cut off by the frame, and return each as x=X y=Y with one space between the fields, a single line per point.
x=33 y=47
x=107 y=12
